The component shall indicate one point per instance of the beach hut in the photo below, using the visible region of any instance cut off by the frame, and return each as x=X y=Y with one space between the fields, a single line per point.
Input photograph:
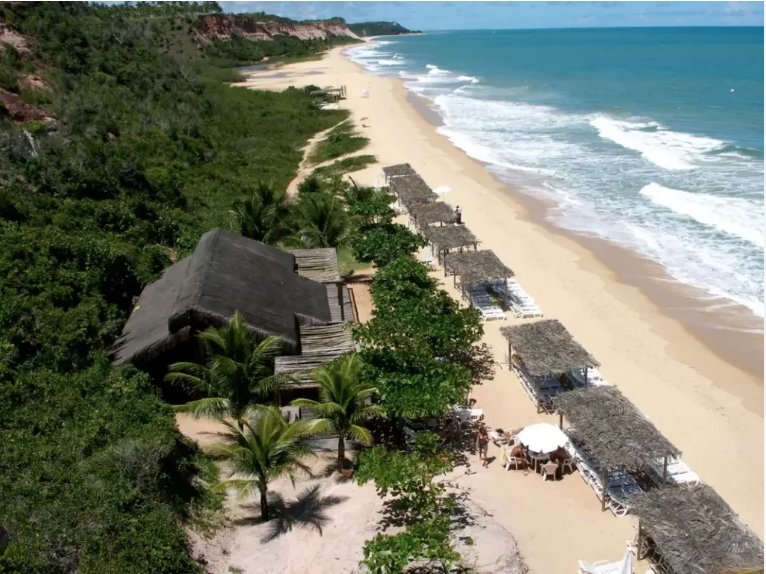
x=690 y=529
x=541 y=354
x=613 y=440
x=272 y=289
x=476 y=268
x=398 y=170
x=427 y=214
x=444 y=239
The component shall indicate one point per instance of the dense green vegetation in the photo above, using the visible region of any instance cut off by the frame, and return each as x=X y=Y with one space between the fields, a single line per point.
x=150 y=150
x=341 y=140
x=379 y=29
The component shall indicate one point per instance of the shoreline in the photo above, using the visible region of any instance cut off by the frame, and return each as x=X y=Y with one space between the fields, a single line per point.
x=730 y=336
x=699 y=402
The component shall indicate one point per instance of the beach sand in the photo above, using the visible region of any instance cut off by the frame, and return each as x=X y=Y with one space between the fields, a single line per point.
x=707 y=407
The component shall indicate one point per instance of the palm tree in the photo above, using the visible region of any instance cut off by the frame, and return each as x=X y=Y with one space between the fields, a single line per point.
x=261 y=451
x=344 y=404
x=263 y=216
x=237 y=374
x=322 y=221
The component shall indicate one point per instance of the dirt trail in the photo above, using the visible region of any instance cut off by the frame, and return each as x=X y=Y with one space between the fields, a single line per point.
x=305 y=168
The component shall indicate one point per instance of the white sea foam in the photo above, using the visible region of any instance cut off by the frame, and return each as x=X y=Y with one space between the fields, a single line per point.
x=664 y=148
x=735 y=216
x=436 y=71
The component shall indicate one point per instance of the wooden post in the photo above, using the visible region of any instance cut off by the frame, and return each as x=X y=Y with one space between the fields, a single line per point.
x=664 y=471
x=603 y=494
x=340 y=300
x=561 y=420
x=586 y=376
x=639 y=542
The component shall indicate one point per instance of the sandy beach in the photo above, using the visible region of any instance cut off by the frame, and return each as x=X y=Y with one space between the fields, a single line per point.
x=709 y=408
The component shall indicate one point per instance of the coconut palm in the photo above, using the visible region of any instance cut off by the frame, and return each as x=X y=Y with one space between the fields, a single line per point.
x=322 y=221
x=263 y=215
x=237 y=373
x=261 y=451
x=344 y=404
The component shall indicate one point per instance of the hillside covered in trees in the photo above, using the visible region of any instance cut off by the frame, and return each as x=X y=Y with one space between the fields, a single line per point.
x=120 y=144
x=364 y=29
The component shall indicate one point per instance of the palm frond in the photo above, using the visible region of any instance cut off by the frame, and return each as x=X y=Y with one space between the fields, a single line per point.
x=212 y=408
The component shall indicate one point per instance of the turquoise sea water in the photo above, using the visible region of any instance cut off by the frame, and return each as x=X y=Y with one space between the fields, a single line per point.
x=651 y=138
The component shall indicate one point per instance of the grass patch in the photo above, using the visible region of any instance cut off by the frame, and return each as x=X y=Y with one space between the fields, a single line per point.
x=346 y=165
x=341 y=140
x=348 y=263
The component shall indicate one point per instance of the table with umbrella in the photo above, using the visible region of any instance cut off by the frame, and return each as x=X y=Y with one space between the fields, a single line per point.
x=541 y=439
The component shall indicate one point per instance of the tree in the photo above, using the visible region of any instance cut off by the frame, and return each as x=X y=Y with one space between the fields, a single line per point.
x=383 y=243
x=417 y=501
x=262 y=451
x=322 y=221
x=263 y=216
x=237 y=375
x=344 y=405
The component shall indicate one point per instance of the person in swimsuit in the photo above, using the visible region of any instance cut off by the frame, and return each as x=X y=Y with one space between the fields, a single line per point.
x=482 y=442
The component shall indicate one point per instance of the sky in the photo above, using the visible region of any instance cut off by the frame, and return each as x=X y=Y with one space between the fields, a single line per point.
x=501 y=15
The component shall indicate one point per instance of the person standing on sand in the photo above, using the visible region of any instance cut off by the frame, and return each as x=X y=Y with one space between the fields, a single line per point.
x=458 y=215
x=482 y=442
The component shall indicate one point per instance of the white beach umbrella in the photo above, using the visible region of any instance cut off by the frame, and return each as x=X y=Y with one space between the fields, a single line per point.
x=542 y=437
x=442 y=190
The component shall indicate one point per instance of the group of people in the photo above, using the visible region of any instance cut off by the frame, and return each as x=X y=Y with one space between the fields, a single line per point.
x=519 y=451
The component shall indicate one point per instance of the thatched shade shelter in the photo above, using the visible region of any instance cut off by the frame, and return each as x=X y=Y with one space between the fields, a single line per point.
x=477 y=267
x=618 y=435
x=412 y=190
x=547 y=349
x=319 y=345
x=690 y=529
x=226 y=273
x=426 y=214
x=450 y=237
x=398 y=170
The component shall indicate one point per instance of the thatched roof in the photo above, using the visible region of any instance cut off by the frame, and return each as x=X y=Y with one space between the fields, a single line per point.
x=398 y=170
x=412 y=190
x=226 y=273
x=318 y=264
x=615 y=431
x=338 y=314
x=319 y=345
x=477 y=267
x=427 y=213
x=546 y=348
x=695 y=531
x=450 y=236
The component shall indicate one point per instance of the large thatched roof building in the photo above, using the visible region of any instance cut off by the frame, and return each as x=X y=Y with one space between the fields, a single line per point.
x=613 y=429
x=547 y=349
x=226 y=273
x=689 y=529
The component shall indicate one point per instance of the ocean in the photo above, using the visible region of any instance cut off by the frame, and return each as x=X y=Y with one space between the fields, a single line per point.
x=651 y=138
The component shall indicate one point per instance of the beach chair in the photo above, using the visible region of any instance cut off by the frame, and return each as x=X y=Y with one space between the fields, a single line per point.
x=509 y=460
x=568 y=464
x=603 y=567
x=550 y=469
